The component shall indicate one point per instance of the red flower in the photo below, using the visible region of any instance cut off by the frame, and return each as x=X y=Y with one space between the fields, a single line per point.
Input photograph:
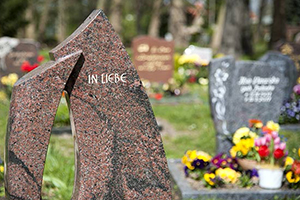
x=25 y=66
x=296 y=167
x=40 y=58
x=158 y=96
x=192 y=79
x=278 y=153
x=263 y=151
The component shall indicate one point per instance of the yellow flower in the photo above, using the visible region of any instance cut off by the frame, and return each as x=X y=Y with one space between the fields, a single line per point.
x=299 y=152
x=273 y=126
x=219 y=55
x=243 y=132
x=258 y=125
x=233 y=151
x=203 y=156
x=203 y=81
x=188 y=59
x=288 y=161
x=10 y=79
x=208 y=177
x=1 y=169
x=292 y=178
x=3 y=96
x=190 y=156
x=228 y=175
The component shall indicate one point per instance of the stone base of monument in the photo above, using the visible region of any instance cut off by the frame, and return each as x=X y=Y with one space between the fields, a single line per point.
x=188 y=192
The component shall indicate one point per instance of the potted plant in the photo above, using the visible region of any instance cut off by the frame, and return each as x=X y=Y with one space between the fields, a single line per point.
x=244 y=149
x=272 y=153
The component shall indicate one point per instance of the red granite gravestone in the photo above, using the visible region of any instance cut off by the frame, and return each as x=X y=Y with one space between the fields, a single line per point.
x=119 y=152
x=14 y=52
x=153 y=58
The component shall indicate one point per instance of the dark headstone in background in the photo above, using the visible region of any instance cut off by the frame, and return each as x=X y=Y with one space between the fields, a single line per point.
x=118 y=148
x=243 y=90
x=153 y=58
x=286 y=65
x=13 y=52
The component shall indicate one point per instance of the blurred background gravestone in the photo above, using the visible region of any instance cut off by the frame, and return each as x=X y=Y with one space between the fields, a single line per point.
x=14 y=52
x=153 y=58
x=244 y=90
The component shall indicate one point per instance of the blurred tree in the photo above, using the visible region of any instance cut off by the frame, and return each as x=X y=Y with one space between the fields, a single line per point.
x=101 y=4
x=12 y=17
x=30 y=29
x=259 y=31
x=116 y=14
x=44 y=20
x=62 y=23
x=237 y=36
x=218 y=30
x=178 y=27
x=293 y=12
x=278 y=30
x=155 y=19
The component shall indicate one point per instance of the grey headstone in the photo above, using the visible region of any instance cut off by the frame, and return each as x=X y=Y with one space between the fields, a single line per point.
x=220 y=76
x=286 y=65
x=248 y=90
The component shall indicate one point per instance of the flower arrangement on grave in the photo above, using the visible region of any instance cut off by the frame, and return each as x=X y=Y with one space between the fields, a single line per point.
x=8 y=83
x=270 y=146
x=159 y=90
x=213 y=172
x=290 y=110
x=27 y=67
x=191 y=69
x=292 y=169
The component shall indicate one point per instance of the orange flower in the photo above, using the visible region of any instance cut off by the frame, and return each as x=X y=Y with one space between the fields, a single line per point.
x=255 y=123
x=266 y=130
x=296 y=167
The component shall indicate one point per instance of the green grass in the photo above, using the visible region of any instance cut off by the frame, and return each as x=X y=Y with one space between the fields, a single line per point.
x=59 y=169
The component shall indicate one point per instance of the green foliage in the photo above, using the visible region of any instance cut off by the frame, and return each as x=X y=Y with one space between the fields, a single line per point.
x=12 y=16
x=293 y=12
x=245 y=181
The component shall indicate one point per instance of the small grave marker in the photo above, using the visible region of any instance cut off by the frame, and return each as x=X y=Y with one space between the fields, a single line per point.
x=153 y=58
